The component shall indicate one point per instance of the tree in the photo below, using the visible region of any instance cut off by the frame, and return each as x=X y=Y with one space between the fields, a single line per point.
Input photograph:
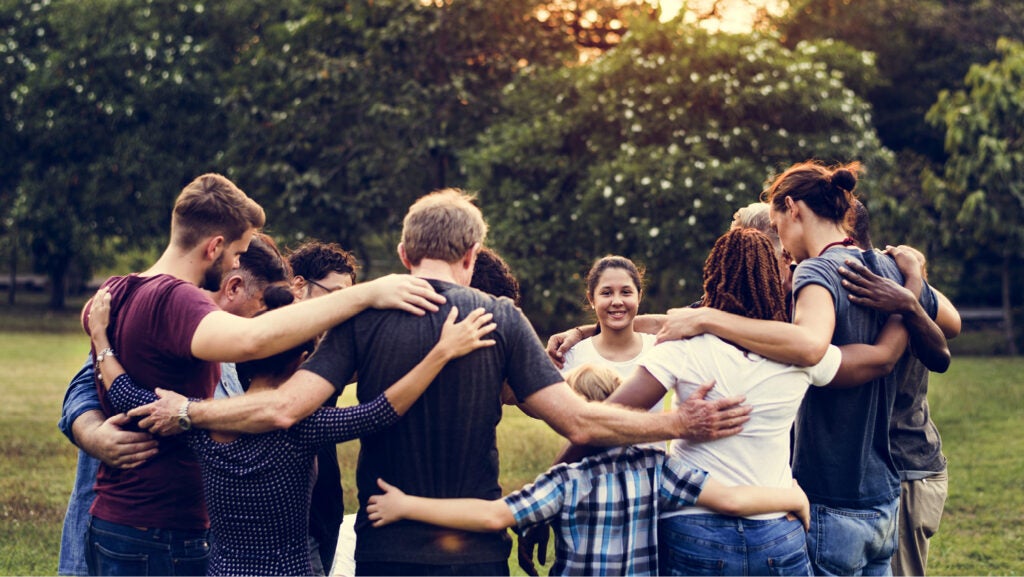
x=115 y=104
x=981 y=190
x=360 y=107
x=647 y=151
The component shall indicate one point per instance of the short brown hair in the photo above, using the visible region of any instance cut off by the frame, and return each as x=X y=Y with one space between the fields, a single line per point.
x=212 y=205
x=593 y=382
x=442 y=225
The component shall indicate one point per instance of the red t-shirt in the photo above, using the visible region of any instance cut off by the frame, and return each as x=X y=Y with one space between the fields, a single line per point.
x=153 y=320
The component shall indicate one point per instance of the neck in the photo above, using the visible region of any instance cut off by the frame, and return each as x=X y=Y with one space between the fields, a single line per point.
x=820 y=235
x=264 y=384
x=616 y=339
x=435 y=270
x=187 y=266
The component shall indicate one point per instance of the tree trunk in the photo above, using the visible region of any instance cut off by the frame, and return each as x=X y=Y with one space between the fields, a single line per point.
x=14 y=270
x=58 y=278
x=1011 y=341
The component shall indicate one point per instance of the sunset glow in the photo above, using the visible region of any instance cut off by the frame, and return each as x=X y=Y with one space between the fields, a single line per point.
x=736 y=16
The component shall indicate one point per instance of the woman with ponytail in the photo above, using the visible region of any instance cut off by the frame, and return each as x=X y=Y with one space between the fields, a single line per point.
x=841 y=447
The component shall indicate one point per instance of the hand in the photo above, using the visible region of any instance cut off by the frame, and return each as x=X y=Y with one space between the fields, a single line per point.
x=458 y=339
x=683 y=323
x=161 y=417
x=559 y=344
x=910 y=261
x=532 y=538
x=804 y=512
x=875 y=292
x=404 y=292
x=705 y=420
x=99 y=318
x=116 y=447
x=385 y=509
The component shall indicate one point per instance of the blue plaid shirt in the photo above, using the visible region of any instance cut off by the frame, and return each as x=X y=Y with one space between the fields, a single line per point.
x=606 y=508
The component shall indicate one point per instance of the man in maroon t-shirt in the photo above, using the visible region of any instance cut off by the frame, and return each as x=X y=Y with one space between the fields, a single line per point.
x=168 y=334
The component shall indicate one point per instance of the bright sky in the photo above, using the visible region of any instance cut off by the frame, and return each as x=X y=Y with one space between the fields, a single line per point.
x=737 y=15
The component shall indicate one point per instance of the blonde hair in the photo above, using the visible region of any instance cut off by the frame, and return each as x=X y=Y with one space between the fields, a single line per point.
x=212 y=205
x=442 y=225
x=593 y=382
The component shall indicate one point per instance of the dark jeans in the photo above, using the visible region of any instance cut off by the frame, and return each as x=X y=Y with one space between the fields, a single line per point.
x=121 y=550
x=721 y=545
x=483 y=569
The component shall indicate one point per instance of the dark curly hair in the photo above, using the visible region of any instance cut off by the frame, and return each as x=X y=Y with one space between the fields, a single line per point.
x=492 y=275
x=315 y=260
x=741 y=276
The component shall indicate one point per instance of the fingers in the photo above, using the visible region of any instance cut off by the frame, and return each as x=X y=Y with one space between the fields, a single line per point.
x=384 y=486
x=144 y=410
x=703 y=390
x=452 y=315
x=732 y=403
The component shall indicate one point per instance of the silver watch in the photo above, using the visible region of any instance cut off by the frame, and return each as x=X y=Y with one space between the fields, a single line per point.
x=184 y=421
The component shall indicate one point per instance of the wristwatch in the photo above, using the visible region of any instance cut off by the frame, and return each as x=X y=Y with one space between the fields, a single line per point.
x=184 y=421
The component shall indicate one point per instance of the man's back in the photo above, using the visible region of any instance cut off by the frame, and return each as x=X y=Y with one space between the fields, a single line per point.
x=445 y=445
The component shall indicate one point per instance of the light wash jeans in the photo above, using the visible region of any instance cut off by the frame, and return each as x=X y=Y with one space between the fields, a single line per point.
x=853 y=541
x=76 y=518
x=723 y=545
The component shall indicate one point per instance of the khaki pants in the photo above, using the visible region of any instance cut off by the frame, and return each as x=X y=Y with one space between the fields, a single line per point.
x=921 y=504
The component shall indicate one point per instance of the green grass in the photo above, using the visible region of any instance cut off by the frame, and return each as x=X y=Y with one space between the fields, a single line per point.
x=977 y=406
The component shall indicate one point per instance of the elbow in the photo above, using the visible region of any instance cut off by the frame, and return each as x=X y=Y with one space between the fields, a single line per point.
x=580 y=436
x=280 y=416
x=940 y=361
x=812 y=354
x=493 y=524
x=730 y=506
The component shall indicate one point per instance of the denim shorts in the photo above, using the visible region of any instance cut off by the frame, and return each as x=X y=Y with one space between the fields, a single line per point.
x=122 y=550
x=723 y=545
x=853 y=541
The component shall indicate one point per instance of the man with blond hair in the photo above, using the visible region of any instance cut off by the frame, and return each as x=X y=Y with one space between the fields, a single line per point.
x=446 y=445
x=168 y=334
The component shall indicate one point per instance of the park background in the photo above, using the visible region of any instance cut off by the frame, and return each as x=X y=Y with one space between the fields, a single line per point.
x=585 y=128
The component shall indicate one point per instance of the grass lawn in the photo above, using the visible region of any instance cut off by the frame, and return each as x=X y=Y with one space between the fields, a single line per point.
x=977 y=405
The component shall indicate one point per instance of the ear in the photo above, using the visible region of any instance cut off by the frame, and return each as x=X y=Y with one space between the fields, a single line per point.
x=469 y=259
x=214 y=246
x=792 y=207
x=403 y=257
x=233 y=285
x=298 y=287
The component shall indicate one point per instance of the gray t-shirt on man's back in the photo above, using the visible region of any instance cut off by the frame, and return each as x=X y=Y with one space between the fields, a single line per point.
x=445 y=446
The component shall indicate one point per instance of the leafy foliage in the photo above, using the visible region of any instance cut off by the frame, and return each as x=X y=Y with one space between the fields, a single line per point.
x=648 y=151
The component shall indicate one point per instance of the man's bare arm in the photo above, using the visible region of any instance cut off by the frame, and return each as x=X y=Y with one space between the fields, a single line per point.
x=106 y=440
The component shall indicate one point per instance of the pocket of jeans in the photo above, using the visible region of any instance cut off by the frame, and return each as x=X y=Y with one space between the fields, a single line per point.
x=116 y=563
x=795 y=563
x=844 y=539
x=679 y=563
x=193 y=559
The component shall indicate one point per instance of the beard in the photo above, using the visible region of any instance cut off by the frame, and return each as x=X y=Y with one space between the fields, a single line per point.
x=214 y=275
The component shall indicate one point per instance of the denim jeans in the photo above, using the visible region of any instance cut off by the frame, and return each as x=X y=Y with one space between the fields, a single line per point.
x=853 y=541
x=76 y=518
x=121 y=550
x=722 y=545
x=490 y=569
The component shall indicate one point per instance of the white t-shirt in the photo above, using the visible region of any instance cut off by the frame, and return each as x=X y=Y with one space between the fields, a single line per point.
x=759 y=455
x=585 y=352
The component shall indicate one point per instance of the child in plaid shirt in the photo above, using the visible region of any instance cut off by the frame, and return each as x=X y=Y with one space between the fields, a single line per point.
x=605 y=507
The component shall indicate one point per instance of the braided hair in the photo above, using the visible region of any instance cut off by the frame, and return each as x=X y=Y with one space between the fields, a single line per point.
x=741 y=276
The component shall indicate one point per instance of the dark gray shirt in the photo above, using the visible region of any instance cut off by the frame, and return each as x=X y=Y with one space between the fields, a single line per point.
x=445 y=446
x=841 y=454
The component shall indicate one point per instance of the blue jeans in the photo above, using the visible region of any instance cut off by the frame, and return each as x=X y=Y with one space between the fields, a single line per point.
x=853 y=541
x=722 y=545
x=121 y=550
x=76 y=519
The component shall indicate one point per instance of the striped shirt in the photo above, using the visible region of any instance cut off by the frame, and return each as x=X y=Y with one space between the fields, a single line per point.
x=606 y=508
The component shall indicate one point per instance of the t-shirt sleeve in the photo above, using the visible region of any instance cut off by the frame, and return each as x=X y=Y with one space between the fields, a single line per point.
x=529 y=368
x=822 y=373
x=124 y=395
x=663 y=362
x=817 y=271
x=540 y=500
x=185 y=307
x=335 y=357
x=681 y=484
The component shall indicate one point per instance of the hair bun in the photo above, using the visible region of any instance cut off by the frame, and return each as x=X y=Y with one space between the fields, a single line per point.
x=844 y=179
x=277 y=296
